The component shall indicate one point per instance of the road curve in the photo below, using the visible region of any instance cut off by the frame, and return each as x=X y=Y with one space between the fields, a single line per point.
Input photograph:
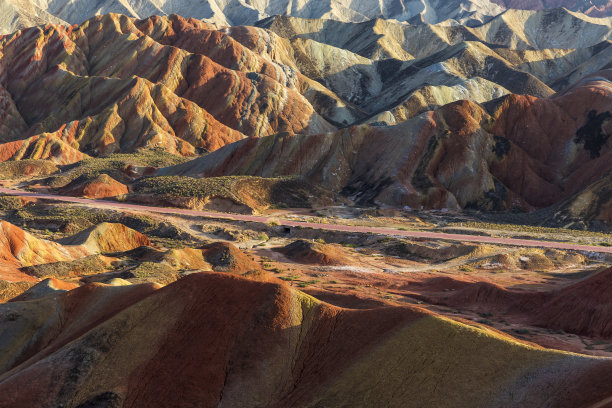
x=330 y=227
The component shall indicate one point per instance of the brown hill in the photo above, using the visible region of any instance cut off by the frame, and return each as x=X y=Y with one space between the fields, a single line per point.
x=20 y=248
x=226 y=257
x=47 y=287
x=215 y=339
x=516 y=152
x=85 y=88
x=582 y=308
x=102 y=186
x=107 y=237
x=43 y=147
x=310 y=252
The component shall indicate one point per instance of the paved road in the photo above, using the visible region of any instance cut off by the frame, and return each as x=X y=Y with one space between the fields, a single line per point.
x=331 y=227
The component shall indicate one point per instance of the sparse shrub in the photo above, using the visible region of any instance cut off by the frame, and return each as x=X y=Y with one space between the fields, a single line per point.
x=307 y=283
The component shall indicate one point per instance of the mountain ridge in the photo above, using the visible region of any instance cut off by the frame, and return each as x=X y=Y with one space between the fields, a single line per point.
x=195 y=89
x=23 y=13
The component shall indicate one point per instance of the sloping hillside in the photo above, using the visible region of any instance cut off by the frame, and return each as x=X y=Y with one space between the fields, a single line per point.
x=209 y=345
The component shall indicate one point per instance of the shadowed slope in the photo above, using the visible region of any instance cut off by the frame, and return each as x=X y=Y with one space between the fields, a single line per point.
x=582 y=308
x=246 y=343
x=596 y=8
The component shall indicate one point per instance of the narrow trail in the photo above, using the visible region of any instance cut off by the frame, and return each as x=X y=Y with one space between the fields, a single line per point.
x=328 y=227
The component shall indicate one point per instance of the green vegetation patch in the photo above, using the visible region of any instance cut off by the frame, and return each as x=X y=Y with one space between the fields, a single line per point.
x=24 y=168
x=254 y=192
x=8 y=203
x=85 y=266
x=153 y=272
x=525 y=229
x=308 y=283
x=113 y=165
x=9 y=290
x=72 y=219
x=176 y=186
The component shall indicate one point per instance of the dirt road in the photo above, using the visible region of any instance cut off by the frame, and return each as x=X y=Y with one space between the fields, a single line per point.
x=332 y=227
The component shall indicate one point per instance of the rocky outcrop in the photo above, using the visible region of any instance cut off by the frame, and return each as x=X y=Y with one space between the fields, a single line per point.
x=107 y=237
x=590 y=207
x=23 y=13
x=383 y=65
x=42 y=147
x=310 y=252
x=102 y=186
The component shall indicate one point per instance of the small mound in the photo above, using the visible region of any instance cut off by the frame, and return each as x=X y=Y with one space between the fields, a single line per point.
x=491 y=296
x=108 y=238
x=535 y=261
x=431 y=251
x=144 y=253
x=186 y=258
x=118 y=282
x=226 y=257
x=47 y=287
x=102 y=186
x=532 y=259
x=177 y=258
x=314 y=253
x=20 y=248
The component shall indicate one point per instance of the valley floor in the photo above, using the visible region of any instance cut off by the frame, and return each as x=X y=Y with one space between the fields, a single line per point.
x=350 y=261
